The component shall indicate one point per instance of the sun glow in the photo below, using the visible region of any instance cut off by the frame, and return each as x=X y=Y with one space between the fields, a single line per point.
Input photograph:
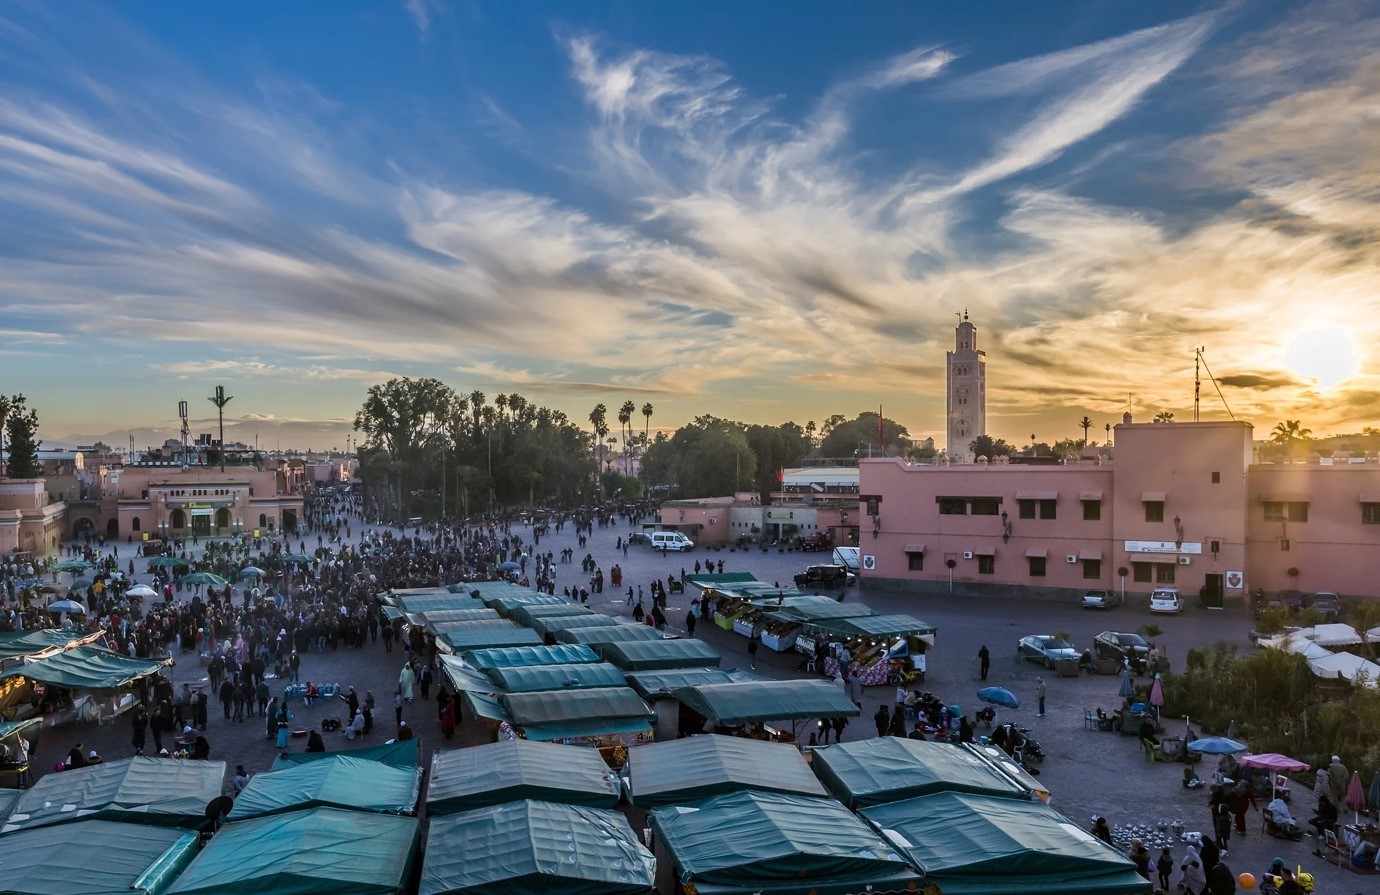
x=1327 y=356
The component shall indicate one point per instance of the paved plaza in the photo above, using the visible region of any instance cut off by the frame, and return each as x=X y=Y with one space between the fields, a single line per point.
x=1089 y=773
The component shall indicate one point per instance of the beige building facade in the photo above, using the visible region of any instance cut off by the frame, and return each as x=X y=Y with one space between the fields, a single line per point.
x=966 y=389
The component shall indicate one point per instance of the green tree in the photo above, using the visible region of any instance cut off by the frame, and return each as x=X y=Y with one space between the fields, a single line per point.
x=1365 y=617
x=989 y=447
x=775 y=448
x=21 y=430
x=625 y=415
x=1164 y=416
x=599 y=424
x=848 y=438
x=403 y=419
x=1085 y=424
x=1291 y=438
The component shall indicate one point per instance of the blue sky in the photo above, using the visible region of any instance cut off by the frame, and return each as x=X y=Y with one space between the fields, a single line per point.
x=764 y=211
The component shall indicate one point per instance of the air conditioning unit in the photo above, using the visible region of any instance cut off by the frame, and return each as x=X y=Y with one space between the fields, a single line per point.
x=1185 y=560
x=967 y=554
x=1071 y=559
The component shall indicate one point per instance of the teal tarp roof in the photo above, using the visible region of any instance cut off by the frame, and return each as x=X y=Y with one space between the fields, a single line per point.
x=803 y=615
x=442 y=600
x=125 y=858
x=727 y=578
x=400 y=754
x=484 y=589
x=567 y=714
x=441 y=616
x=876 y=626
x=535 y=848
x=14 y=644
x=973 y=844
x=730 y=704
x=888 y=769
x=553 y=624
x=650 y=655
x=523 y=615
x=487 y=638
x=654 y=684
x=339 y=781
x=529 y=655
x=506 y=602
x=676 y=772
x=759 y=841
x=88 y=668
x=608 y=634
x=557 y=677
x=467 y=679
x=9 y=728
x=163 y=792
x=321 y=851
x=509 y=770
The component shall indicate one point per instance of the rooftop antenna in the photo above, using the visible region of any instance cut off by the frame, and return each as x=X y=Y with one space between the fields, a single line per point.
x=1199 y=358
x=182 y=412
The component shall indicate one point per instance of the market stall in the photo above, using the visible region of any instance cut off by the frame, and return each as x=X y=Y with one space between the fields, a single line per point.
x=885 y=649
x=552 y=625
x=525 y=613
x=397 y=754
x=597 y=636
x=87 y=683
x=678 y=772
x=569 y=716
x=535 y=848
x=892 y=769
x=487 y=638
x=507 y=602
x=508 y=657
x=18 y=740
x=511 y=770
x=164 y=792
x=338 y=781
x=650 y=655
x=133 y=859
x=750 y=705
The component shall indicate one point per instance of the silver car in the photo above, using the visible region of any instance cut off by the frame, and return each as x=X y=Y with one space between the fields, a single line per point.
x=1046 y=649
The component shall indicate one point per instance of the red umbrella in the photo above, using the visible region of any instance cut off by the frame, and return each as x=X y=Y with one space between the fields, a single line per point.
x=1355 y=796
x=1156 y=693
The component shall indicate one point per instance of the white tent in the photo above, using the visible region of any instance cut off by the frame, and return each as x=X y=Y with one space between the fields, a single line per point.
x=1332 y=635
x=1293 y=643
x=1345 y=666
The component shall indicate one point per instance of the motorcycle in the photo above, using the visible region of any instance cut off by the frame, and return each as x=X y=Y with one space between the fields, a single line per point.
x=1029 y=748
x=986 y=716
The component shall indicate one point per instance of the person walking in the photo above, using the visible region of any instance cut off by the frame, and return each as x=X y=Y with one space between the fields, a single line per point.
x=139 y=722
x=1040 y=691
x=1164 y=866
x=882 y=719
x=1243 y=800
x=690 y=622
x=984 y=661
x=424 y=680
x=753 y=641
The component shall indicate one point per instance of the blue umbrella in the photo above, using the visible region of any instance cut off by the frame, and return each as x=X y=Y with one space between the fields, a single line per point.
x=252 y=572
x=1127 y=688
x=999 y=696
x=1373 y=793
x=508 y=566
x=1216 y=746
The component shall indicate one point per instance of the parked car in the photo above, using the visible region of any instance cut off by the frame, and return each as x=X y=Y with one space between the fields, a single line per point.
x=817 y=541
x=1118 y=645
x=674 y=541
x=1294 y=599
x=1166 y=600
x=639 y=537
x=1329 y=604
x=1100 y=599
x=823 y=575
x=1046 y=649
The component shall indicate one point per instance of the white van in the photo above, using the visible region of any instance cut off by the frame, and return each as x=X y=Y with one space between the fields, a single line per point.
x=671 y=540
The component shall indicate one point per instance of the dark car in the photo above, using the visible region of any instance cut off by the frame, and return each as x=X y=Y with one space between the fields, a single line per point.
x=1118 y=645
x=639 y=537
x=1294 y=599
x=1329 y=604
x=817 y=541
x=822 y=576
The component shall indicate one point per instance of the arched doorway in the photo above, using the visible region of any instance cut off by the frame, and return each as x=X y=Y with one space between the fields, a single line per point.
x=289 y=520
x=222 y=518
x=263 y=520
x=83 y=528
x=178 y=520
x=112 y=528
x=134 y=524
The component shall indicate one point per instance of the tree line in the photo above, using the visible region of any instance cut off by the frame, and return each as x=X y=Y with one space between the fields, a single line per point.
x=19 y=422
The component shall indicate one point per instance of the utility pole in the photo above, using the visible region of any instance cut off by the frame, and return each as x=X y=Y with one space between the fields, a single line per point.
x=220 y=399
x=443 y=483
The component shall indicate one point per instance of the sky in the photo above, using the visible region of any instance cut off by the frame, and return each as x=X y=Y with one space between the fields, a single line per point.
x=763 y=211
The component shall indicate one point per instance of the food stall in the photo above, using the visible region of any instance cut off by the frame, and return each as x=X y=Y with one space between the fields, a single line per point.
x=886 y=649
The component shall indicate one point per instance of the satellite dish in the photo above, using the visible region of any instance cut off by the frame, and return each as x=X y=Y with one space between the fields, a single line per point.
x=217 y=809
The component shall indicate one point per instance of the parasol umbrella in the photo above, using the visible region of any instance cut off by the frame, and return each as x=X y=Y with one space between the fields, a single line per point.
x=508 y=566
x=1373 y=794
x=299 y=558
x=80 y=583
x=1355 y=796
x=71 y=606
x=204 y=578
x=999 y=696
x=74 y=565
x=1127 y=689
x=1157 y=694
x=141 y=590
x=1216 y=746
x=1273 y=761
x=164 y=562
x=252 y=572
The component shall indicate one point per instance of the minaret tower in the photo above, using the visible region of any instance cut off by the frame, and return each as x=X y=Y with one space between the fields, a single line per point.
x=967 y=392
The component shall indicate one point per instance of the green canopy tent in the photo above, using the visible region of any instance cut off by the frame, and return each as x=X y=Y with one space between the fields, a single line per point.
x=438 y=602
x=553 y=625
x=763 y=842
x=595 y=637
x=727 y=579
x=488 y=638
x=482 y=590
x=889 y=769
x=535 y=678
x=164 y=792
x=677 y=772
x=968 y=844
x=338 y=781
x=650 y=655
x=399 y=754
x=441 y=616
x=320 y=851
x=467 y=679
x=505 y=603
x=877 y=627
x=567 y=714
x=662 y=684
x=509 y=657
x=535 y=848
x=22 y=644
x=808 y=613
x=126 y=858
x=88 y=668
x=524 y=614
x=510 y=770
x=18 y=740
x=728 y=705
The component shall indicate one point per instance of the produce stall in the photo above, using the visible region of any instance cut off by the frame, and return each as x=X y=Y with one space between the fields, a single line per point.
x=885 y=649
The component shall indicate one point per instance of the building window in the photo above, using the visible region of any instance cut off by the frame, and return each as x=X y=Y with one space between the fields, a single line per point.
x=1092 y=511
x=1283 y=545
x=1026 y=509
x=1217 y=478
x=1049 y=509
x=987 y=565
x=1037 y=566
x=1215 y=547
x=986 y=506
x=1274 y=511
x=1298 y=511
x=1154 y=511
x=1140 y=572
x=1285 y=511
x=1164 y=572
x=1092 y=569
x=915 y=562
x=1370 y=514
x=953 y=506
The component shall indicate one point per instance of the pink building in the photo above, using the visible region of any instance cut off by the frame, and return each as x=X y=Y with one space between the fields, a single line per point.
x=1182 y=506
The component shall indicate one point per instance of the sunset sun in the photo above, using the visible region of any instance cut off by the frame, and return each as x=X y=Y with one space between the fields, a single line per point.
x=1327 y=356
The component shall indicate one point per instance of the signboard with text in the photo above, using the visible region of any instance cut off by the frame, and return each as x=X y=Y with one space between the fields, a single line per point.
x=1164 y=547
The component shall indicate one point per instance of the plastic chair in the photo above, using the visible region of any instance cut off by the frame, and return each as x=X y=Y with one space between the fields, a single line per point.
x=1334 y=850
x=1089 y=719
x=1153 y=752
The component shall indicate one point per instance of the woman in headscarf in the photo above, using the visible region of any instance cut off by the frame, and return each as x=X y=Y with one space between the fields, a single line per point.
x=1193 y=879
x=406 y=677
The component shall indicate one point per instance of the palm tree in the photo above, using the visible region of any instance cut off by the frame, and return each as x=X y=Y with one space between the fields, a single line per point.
x=1288 y=432
x=625 y=415
x=647 y=420
x=598 y=421
x=6 y=408
x=476 y=403
x=1085 y=424
x=220 y=399
x=1164 y=416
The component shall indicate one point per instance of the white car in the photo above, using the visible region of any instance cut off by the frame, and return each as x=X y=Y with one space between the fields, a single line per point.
x=1166 y=600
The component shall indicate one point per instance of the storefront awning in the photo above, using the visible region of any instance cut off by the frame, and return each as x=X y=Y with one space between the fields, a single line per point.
x=1090 y=554
x=984 y=551
x=915 y=548
x=1036 y=553
x=1370 y=498
x=1152 y=497
x=1285 y=498
x=1037 y=495
x=1090 y=495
